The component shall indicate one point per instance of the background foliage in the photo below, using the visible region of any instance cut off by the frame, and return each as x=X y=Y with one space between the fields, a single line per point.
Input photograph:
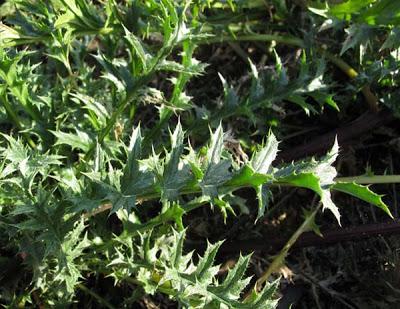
x=132 y=131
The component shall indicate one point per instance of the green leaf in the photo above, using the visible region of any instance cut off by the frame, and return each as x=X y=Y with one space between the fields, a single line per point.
x=80 y=140
x=132 y=165
x=383 y=12
x=246 y=176
x=175 y=213
x=363 y=193
x=304 y=180
x=357 y=35
x=194 y=285
x=80 y=16
x=349 y=7
x=262 y=160
x=263 y=196
x=314 y=175
x=179 y=261
x=393 y=40
x=264 y=298
x=120 y=201
x=224 y=207
x=97 y=112
x=233 y=284
x=205 y=269
x=195 y=69
x=8 y=35
x=134 y=180
x=217 y=171
x=231 y=98
x=72 y=247
x=176 y=173
x=137 y=46
x=301 y=101
x=118 y=72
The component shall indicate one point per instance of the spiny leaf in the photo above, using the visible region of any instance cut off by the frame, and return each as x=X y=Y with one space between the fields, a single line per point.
x=231 y=98
x=205 y=269
x=173 y=212
x=263 y=196
x=393 y=40
x=196 y=286
x=383 y=12
x=363 y=193
x=315 y=175
x=217 y=171
x=233 y=284
x=349 y=7
x=134 y=180
x=143 y=56
x=357 y=35
x=194 y=69
x=80 y=140
x=71 y=248
x=264 y=298
x=261 y=161
x=134 y=154
x=79 y=15
x=117 y=71
x=176 y=173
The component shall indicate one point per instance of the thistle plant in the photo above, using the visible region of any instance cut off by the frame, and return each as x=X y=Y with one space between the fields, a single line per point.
x=84 y=126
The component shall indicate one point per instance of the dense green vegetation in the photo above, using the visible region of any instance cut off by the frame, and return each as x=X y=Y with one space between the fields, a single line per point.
x=125 y=122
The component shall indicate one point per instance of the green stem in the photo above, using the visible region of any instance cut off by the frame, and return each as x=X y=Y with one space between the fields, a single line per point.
x=142 y=81
x=121 y=107
x=288 y=40
x=375 y=179
x=371 y=99
x=188 y=50
x=378 y=179
x=279 y=259
x=96 y=296
x=346 y=68
x=156 y=195
x=14 y=118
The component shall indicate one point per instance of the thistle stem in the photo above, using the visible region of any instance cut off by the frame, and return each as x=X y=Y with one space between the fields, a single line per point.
x=279 y=259
x=288 y=40
x=121 y=107
x=371 y=99
x=14 y=118
x=375 y=179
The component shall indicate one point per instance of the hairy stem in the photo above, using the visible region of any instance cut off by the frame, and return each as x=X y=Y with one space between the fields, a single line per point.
x=378 y=179
x=371 y=99
x=375 y=179
x=279 y=259
x=121 y=107
x=287 y=40
x=188 y=50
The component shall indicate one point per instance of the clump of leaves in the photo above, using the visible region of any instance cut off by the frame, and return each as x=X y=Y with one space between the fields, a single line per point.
x=81 y=101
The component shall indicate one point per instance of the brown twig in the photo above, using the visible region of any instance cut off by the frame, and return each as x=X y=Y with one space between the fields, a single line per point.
x=310 y=239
